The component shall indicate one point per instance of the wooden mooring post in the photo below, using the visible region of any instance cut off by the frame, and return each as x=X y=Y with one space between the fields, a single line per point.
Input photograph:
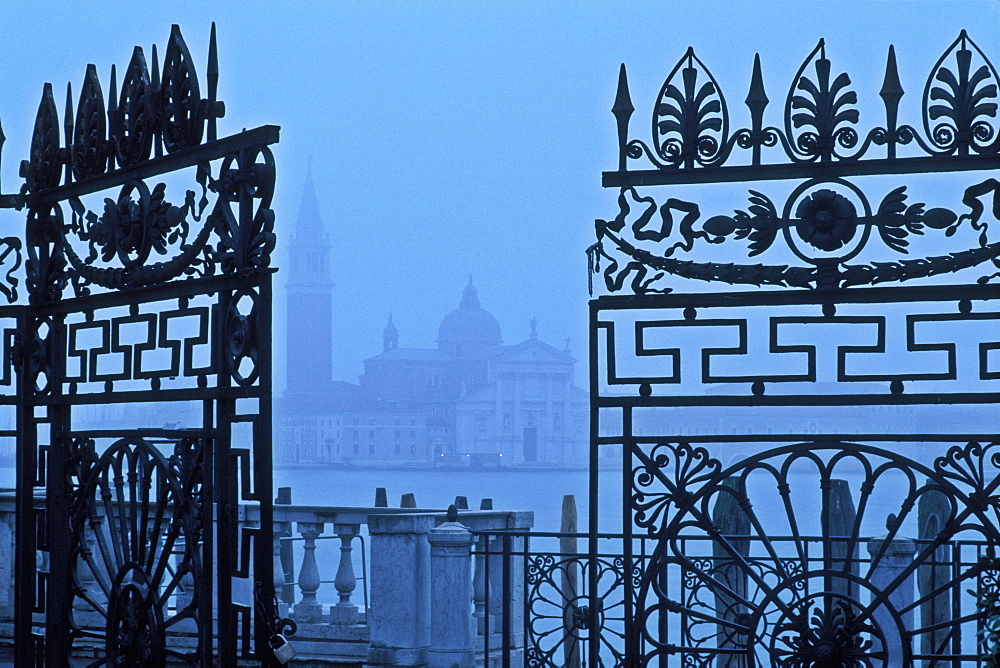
x=570 y=579
x=734 y=528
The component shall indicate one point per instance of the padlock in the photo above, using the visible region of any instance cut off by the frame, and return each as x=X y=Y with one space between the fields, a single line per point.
x=283 y=650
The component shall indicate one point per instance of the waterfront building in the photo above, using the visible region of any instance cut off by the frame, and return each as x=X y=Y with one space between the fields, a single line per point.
x=469 y=401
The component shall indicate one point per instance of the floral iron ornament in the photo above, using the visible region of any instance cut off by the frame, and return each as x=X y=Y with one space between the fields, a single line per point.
x=833 y=637
x=118 y=140
x=826 y=220
x=825 y=224
x=820 y=122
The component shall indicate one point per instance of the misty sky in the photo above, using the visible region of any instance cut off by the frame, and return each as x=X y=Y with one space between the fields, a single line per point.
x=451 y=138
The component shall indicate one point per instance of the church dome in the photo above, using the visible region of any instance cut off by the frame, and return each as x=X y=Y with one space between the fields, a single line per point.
x=469 y=329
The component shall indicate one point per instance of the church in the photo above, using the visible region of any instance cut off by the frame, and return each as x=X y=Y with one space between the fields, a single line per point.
x=468 y=401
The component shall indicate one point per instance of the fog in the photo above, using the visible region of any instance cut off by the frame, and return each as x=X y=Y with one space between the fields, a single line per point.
x=454 y=138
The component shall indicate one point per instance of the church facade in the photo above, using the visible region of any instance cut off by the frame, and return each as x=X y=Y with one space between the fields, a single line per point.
x=469 y=400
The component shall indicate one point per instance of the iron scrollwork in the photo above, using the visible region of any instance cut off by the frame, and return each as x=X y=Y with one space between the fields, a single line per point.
x=163 y=232
x=246 y=177
x=825 y=223
x=137 y=523
x=820 y=118
x=796 y=591
x=690 y=122
x=823 y=106
x=819 y=143
x=153 y=113
x=956 y=101
x=755 y=563
x=561 y=619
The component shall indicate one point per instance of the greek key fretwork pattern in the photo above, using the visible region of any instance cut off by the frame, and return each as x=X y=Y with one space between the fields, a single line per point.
x=7 y=365
x=642 y=354
x=157 y=348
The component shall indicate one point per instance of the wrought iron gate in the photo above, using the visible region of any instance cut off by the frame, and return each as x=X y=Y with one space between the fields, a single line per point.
x=809 y=465
x=147 y=274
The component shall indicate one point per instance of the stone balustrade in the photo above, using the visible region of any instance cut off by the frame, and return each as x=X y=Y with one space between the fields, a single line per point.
x=349 y=576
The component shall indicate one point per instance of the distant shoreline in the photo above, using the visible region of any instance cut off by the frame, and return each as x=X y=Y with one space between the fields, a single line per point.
x=442 y=469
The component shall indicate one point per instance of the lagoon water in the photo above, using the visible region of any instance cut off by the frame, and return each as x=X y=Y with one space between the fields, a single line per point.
x=540 y=491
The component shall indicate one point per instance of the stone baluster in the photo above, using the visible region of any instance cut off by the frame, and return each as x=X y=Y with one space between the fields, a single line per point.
x=185 y=588
x=308 y=609
x=480 y=613
x=86 y=577
x=451 y=594
x=287 y=562
x=345 y=612
x=898 y=555
x=279 y=531
x=479 y=585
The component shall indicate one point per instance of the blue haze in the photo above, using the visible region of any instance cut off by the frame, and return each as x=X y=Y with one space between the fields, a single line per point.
x=451 y=138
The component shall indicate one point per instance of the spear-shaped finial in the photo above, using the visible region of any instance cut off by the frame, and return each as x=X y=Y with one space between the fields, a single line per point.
x=68 y=131
x=756 y=97
x=112 y=118
x=154 y=79
x=756 y=101
x=622 y=110
x=891 y=93
x=3 y=138
x=158 y=120
x=213 y=83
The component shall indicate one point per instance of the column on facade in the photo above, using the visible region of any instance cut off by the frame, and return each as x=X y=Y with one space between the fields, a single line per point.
x=548 y=435
x=497 y=430
x=568 y=424
x=516 y=419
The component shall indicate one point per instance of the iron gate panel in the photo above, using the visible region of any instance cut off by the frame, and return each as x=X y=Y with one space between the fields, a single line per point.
x=757 y=529
x=148 y=279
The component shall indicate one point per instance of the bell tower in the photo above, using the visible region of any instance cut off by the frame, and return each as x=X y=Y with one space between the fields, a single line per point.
x=309 y=317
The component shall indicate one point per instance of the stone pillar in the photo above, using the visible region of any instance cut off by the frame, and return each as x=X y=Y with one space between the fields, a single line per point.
x=934 y=511
x=345 y=612
x=308 y=609
x=898 y=555
x=400 y=615
x=451 y=595
x=734 y=527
